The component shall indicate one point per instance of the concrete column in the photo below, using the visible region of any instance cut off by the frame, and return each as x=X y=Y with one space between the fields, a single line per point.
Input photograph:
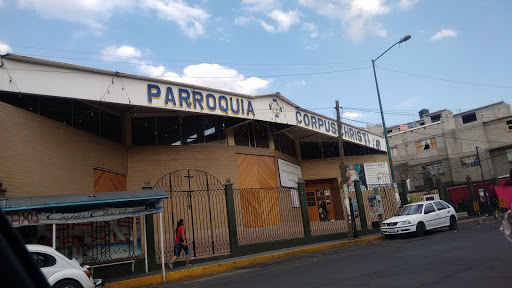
x=470 y=188
x=360 y=205
x=230 y=207
x=126 y=128
x=405 y=193
x=304 y=208
x=149 y=231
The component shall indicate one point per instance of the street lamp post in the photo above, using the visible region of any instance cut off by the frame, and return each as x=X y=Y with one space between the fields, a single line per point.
x=403 y=39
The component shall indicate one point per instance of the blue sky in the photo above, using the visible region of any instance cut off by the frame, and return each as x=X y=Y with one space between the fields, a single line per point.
x=311 y=51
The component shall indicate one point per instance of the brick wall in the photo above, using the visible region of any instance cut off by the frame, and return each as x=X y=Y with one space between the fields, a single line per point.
x=153 y=162
x=40 y=156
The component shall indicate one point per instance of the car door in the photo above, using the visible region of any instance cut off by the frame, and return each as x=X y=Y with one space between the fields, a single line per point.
x=429 y=216
x=444 y=214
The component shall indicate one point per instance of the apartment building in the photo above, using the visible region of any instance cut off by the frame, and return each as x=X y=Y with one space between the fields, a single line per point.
x=443 y=145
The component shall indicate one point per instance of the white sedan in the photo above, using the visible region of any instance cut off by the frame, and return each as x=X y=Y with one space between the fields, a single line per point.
x=60 y=271
x=420 y=217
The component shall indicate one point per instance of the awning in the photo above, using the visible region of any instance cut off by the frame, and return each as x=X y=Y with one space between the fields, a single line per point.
x=77 y=208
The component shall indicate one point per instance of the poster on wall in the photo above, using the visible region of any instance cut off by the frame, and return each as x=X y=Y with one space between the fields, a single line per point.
x=289 y=173
x=375 y=205
x=370 y=175
x=294 y=194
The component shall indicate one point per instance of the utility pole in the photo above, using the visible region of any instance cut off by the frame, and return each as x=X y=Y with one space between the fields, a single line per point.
x=483 y=182
x=342 y=168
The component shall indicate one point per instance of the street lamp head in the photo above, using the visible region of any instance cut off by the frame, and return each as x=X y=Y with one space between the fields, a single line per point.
x=405 y=38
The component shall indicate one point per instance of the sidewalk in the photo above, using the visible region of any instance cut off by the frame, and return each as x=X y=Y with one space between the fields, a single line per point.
x=219 y=266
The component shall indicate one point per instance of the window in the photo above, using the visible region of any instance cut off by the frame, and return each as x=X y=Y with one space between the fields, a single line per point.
x=469 y=161
x=435 y=118
x=251 y=134
x=426 y=144
x=422 y=123
x=429 y=208
x=509 y=125
x=435 y=168
x=509 y=155
x=439 y=206
x=445 y=204
x=394 y=151
x=389 y=131
x=468 y=118
x=44 y=260
x=285 y=144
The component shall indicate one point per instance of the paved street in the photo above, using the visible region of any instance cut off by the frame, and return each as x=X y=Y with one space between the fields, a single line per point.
x=473 y=256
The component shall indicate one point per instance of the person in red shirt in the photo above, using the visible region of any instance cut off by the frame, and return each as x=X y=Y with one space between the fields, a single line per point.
x=180 y=243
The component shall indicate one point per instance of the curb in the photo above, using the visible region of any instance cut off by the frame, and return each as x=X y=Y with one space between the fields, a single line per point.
x=230 y=265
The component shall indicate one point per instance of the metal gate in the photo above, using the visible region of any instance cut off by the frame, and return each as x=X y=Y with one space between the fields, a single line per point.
x=198 y=198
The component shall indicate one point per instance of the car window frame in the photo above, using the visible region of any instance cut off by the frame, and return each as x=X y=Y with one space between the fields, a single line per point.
x=425 y=208
x=443 y=207
x=46 y=256
x=448 y=206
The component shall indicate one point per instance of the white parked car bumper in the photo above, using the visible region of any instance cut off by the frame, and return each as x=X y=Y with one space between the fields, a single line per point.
x=398 y=229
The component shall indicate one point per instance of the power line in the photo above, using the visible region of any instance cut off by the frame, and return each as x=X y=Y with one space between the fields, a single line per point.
x=186 y=61
x=204 y=77
x=446 y=80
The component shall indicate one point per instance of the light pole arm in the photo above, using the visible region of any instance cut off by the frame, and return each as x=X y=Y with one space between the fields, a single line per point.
x=384 y=53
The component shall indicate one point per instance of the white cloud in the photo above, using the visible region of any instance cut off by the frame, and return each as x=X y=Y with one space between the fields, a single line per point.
x=357 y=16
x=311 y=28
x=260 y=5
x=112 y=52
x=444 y=33
x=190 y=19
x=95 y=13
x=221 y=77
x=239 y=20
x=92 y=13
x=409 y=102
x=208 y=75
x=284 y=20
x=267 y=26
x=300 y=83
x=406 y=4
x=351 y=115
x=4 y=48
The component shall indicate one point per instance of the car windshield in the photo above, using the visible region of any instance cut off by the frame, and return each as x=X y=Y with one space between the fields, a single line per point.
x=412 y=209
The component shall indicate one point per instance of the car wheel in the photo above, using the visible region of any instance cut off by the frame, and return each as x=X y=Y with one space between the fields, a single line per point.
x=453 y=223
x=420 y=229
x=67 y=283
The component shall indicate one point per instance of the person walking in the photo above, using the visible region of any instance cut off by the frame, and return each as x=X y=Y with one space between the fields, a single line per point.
x=179 y=244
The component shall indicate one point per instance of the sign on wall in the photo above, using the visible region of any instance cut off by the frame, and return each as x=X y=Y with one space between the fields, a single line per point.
x=289 y=173
x=370 y=175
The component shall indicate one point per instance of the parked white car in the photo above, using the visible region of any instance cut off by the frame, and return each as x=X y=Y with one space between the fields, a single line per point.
x=60 y=271
x=420 y=217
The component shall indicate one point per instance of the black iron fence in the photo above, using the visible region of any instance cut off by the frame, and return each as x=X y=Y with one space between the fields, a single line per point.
x=205 y=220
x=267 y=214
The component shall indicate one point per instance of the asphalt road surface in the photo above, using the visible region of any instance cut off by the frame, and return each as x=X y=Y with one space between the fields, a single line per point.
x=472 y=256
